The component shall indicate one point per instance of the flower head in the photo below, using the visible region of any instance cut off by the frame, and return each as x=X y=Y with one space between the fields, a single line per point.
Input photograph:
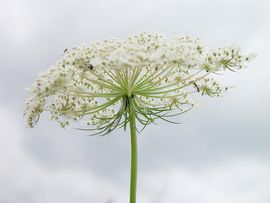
x=148 y=74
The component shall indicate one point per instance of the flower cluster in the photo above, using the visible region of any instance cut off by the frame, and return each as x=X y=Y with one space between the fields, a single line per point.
x=148 y=74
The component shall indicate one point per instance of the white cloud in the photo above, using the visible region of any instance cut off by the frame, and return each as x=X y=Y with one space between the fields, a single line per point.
x=240 y=180
x=24 y=180
x=17 y=22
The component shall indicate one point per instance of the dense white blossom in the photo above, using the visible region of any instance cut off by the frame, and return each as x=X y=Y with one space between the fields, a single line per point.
x=151 y=74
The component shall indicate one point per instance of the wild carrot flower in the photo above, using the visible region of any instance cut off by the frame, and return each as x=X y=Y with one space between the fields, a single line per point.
x=145 y=77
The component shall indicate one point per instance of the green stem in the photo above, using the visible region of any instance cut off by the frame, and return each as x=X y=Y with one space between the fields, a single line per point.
x=133 y=171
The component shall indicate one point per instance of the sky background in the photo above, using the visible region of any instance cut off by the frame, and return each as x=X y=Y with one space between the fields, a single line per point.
x=220 y=152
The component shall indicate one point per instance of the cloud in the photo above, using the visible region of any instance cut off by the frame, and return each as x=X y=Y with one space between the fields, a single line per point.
x=240 y=179
x=17 y=23
x=24 y=180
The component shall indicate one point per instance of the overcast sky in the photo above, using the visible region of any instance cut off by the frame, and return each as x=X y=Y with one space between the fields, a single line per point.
x=220 y=152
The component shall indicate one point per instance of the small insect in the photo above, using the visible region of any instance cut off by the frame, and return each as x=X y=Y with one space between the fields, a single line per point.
x=90 y=66
x=196 y=86
x=65 y=50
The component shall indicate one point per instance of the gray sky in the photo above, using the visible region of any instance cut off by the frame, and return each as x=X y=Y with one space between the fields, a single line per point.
x=220 y=152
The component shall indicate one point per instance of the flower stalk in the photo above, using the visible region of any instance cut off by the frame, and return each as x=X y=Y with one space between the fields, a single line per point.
x=134 y=156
